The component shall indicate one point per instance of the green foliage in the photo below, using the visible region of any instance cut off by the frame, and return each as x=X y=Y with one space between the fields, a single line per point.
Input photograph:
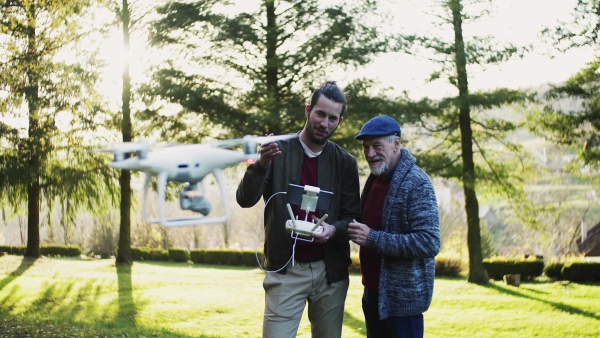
x=160 y=255
x=498 y=162
x=226 y=257
x=580 y=31
x=141 y=254
x=364 y=103
x=469 y=142
x=179 y=255
x=17 y=250
x=149 y=254
x=488 y=246
x=571 y=114
x=355 y=265
x=60 y=250
x=582 y=272
x=44 y=161
x=279 y=49
x=45 y=250
x=473 y=49
x=447 y=266
x=553 y=270
x=528 y=268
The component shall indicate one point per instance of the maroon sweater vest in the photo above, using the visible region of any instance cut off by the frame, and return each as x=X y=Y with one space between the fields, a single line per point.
x=370 y=259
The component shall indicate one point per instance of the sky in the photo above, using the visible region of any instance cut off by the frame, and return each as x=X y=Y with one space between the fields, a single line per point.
x=515 y=21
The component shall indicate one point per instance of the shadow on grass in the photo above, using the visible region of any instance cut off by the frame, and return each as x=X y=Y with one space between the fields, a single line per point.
x=559 y=306
x=127 y=308
x=26 y=263
x=59 y=307
x=74 y=308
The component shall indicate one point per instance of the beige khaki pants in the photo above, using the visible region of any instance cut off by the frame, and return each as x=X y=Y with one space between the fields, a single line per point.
x=286 y=296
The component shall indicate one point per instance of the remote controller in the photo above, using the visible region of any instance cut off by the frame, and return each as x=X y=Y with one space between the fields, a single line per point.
x=303 y=228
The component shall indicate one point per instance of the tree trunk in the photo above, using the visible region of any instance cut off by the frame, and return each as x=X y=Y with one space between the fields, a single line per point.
x=477 y=272
x=33 y=219
x=124 y=251
x=34 y=142
x=273 y=104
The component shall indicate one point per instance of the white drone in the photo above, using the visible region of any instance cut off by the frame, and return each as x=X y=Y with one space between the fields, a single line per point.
x=187 y=164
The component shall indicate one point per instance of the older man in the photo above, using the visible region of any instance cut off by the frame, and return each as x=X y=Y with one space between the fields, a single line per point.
x=399 y=234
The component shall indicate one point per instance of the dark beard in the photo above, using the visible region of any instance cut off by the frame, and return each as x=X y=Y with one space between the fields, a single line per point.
x=313 y=138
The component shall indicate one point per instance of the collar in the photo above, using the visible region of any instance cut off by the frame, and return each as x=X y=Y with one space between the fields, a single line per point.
x=309 y=152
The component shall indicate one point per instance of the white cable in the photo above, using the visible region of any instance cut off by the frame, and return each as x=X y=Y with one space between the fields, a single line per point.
x=258 y=236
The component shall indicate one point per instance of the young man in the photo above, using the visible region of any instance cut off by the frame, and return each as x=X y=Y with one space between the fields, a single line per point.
x=399 y=234
x=318 y=271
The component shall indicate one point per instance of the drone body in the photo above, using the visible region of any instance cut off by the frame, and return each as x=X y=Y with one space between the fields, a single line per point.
x=187 y=164
x=184 y=163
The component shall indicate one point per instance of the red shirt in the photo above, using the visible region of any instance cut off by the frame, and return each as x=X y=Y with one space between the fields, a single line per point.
x=370 y=259
x=308 y=251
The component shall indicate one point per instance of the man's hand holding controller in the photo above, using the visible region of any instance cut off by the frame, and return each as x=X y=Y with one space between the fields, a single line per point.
x=319 y=230
x=328 y=230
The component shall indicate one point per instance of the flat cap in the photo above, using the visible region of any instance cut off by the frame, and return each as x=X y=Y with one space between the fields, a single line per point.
x=382 y=125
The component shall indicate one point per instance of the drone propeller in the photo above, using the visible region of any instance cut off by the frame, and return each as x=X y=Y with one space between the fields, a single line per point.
x=249 y=142
x=140 y=148
x=269 y=139
x=129 y=147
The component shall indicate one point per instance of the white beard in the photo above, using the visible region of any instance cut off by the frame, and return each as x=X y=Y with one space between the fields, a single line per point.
x=378 y=169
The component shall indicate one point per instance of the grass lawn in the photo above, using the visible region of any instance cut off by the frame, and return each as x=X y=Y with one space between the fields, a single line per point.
x=62 y=297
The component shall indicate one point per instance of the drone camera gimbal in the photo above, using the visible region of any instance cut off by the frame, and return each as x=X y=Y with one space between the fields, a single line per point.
x=189 y=199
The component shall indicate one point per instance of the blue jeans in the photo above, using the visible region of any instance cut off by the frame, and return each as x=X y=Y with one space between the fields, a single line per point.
x=393 y=327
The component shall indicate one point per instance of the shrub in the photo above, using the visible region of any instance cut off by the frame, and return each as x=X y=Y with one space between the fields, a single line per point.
x=60 y=250
x=355 y=265
x=444 y=266
x=160 y=255
x=226 y=257
x=497 y=267
x=18 y=250
x=179 y=255
x=447 y=266
x=248 y=258
x=141 y=254
x=582 y=272
x=553 y=270
x=45 y=250
x=149 y=254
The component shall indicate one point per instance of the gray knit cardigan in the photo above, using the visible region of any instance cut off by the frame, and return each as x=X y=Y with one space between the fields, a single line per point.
x=408 y=241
